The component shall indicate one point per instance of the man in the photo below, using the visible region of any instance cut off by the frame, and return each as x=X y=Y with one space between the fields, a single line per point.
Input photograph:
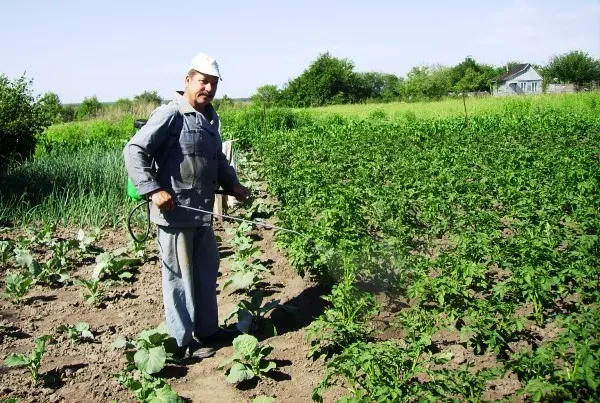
x=184 y=136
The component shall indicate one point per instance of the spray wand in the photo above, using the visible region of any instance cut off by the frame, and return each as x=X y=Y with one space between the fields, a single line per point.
x=147 y=230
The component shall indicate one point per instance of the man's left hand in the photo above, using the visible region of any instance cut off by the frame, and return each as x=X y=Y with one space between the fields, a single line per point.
x=240 y=192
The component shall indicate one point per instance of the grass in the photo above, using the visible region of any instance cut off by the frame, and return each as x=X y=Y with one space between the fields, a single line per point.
x=86 y=186
x=454 y=107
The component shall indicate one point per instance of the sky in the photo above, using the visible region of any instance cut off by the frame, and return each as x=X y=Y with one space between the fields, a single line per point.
x=117 y=49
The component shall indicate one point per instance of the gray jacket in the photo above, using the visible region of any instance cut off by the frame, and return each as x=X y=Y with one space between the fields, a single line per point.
x=194 y=163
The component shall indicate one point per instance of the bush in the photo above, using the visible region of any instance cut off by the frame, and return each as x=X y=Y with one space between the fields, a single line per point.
x=68 y=113
x=20 y=119
x=89 y=108
x=148 y=97
x=50 y=108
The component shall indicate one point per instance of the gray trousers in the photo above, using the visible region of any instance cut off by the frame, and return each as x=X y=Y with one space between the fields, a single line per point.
x=190 y=263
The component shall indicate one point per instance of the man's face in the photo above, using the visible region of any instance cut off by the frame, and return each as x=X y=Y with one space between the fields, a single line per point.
x=201 y=89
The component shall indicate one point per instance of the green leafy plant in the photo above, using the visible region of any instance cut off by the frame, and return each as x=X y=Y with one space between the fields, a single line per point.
x=61 y=249
x=344 y=322
x=148 y=389
x=23 y=257
x=107 y=265
x=95 y=294
x=146 y=356
x=6 y=250
x=16 y=285
x=50 y=272
x=252 y=314
x=86 y=241
x=79 y=331
x=43 y=236
x=139 y=249
x=245 y=276
x=248 y=360
x=33 y=361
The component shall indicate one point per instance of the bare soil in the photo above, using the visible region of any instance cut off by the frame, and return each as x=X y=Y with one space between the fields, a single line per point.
x=85 y=371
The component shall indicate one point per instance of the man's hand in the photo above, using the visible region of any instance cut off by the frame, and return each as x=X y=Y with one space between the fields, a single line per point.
x=240 y=192
x=163 y=200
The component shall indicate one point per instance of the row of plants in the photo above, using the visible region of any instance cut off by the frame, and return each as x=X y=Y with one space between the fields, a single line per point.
x=489 y=230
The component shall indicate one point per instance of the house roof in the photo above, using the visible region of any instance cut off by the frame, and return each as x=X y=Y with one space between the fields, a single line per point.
x=516 y=69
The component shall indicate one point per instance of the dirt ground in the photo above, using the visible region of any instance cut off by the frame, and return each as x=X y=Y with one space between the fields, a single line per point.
x=84 y=372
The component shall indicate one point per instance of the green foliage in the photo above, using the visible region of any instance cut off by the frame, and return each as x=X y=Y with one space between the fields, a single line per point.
x=68 y=113
x=344 y=322
x=388 y=372
x=66 y=187
x=150 y=97
x=328 y=80
x=252 y=314
x=50 y=109
x=223 y=103
x=146 y=356
x=89 y=108
x=267 y=95
x=426 y=82
x=33 y=361
x=16 y=286
x=248 y=360
x=124 y=104
x=20 y=119
x=575 y=67
x=471 y=224
x=108 y=266
x=6 y=250
x=566 y=367
x=95 y=294
x=74 y=136
x=79 y=331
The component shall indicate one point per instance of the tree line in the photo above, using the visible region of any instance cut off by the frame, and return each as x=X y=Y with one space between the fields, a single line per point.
x=330 y=80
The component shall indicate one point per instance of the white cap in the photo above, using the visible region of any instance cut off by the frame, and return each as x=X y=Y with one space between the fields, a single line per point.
x=205 y=64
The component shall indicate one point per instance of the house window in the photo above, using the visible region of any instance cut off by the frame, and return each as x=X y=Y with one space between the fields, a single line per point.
x=534 y=86
x=522 y=85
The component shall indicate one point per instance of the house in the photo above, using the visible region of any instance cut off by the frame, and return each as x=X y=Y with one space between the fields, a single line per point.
x=521 y=79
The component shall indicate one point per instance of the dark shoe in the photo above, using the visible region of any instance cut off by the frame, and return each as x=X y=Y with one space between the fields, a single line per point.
x=220 y=336
x=193 y=349
x=197 y=349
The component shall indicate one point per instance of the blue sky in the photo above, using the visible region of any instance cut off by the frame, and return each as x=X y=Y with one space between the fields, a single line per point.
x=115 y=49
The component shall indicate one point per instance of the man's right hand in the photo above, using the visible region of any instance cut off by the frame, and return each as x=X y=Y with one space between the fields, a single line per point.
x=163 y=200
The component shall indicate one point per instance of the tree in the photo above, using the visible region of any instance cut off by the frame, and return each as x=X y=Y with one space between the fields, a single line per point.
x=327 y=80
x=479 y=76
x=20 y=119
x=150 y=97
x=380 y=86
x=427 y=82
x=224 y=103
x=50 y=108
x=267 y=95
x=575 y=67
x=124 y=104
x=68 y=113
x=89 y=108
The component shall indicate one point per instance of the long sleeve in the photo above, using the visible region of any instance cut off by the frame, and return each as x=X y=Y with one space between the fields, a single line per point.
x=145 y=146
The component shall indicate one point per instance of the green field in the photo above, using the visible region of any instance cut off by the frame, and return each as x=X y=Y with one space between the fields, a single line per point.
x=484 y=234
x=475 y=106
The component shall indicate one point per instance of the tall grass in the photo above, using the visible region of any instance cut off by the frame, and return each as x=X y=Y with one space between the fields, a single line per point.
x=475 y=106
x=85 y=186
